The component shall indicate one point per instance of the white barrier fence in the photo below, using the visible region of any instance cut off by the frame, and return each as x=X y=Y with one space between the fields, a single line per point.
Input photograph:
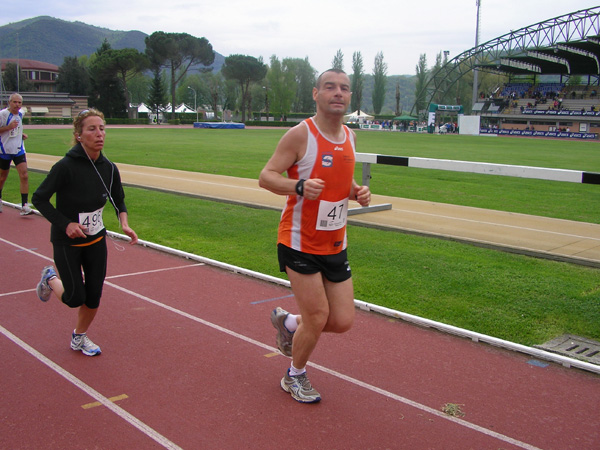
x=540 y=173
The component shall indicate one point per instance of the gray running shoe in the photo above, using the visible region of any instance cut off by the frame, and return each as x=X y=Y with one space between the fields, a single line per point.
x=284 y=336
x=85 y=344
x=43 y=289
x=26 y=209
x=300 y=388
x=1 y=205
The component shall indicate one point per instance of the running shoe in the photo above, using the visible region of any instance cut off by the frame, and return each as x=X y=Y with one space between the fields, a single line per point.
x=85 y=344
x=43 y=289
x=300 y=388
x=1 y=205
x=284 y=336
x=26 y=209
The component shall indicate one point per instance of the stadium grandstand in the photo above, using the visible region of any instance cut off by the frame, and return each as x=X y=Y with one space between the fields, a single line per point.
x=550 y=79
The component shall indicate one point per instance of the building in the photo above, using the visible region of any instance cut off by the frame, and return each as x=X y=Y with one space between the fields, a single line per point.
x=49 y=104
x=42 y=75
x=544 y=109
x=44 y=101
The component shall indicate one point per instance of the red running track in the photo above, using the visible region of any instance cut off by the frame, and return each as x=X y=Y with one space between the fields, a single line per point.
x=188 y=361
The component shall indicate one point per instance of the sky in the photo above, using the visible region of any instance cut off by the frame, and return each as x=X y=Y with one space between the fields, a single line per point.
x=316 y=29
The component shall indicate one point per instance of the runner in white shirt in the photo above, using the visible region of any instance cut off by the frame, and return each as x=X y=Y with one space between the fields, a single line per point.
x=12 y=149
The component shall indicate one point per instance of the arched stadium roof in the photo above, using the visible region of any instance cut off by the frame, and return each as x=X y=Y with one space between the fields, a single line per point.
x=568 y=45
x=569 y=58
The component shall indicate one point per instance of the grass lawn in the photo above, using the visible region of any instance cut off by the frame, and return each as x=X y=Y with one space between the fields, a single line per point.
x=243 y=153
x=513 y=297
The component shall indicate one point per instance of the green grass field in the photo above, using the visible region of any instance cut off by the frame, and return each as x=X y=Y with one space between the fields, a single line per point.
x=518 y=298
x=243 y=153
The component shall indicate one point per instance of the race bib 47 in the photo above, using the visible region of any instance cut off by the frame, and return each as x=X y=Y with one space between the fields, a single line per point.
x=332 y=215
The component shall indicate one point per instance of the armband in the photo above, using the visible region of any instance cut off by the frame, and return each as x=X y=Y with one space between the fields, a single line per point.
x=300 y=187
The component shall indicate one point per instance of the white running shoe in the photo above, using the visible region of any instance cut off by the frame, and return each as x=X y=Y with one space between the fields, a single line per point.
x=26 y=209
x=300 y=388
x=85 y=344
x=43 y=289
x=284 y=336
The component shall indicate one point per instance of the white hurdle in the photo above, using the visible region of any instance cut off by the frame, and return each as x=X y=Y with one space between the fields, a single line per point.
x=540 y=173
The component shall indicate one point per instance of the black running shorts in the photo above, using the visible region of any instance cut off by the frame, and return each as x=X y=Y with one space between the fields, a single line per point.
x=335 y=268
x=6 y=159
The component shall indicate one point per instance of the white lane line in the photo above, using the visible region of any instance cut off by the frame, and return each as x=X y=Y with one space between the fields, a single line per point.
x=132 y=420
x=145 y=272
x=319 y=367
x=6 y=294
x=334 y=373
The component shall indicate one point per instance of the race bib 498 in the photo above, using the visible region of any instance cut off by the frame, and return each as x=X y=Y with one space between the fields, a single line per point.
x=92 y=221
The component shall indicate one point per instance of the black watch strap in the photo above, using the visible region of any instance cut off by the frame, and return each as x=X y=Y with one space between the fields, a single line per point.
x=300 y=187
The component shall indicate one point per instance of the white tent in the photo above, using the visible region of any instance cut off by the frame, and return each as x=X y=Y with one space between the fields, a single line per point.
x=183 y=108
x=357 y=116
x=141 y=108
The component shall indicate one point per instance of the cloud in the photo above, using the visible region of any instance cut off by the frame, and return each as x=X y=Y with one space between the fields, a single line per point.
x=316 y=29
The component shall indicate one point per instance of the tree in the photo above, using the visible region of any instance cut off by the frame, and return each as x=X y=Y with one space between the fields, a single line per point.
x=73 y=77
x=106 y=93
x=420 y=92
x=177 y=52
x=157 y=96
x=232 y=93
x=9 y=78
x=245 y=70
x=139 y=87
x=305 y=81
x=127 y=63
x=439 y=96
x=357 y=81
x=398 y=111
x=216 y=87
x=380 y=79
x=282 y=85
x=338 y=61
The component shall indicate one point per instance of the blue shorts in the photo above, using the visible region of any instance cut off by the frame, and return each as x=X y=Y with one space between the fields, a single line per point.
x=5 y=160
x=335 y=268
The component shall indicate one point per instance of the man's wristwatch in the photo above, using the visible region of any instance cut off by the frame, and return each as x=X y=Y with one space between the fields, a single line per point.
x=300 y=187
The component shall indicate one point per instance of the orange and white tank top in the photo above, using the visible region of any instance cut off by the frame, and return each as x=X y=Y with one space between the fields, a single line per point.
x=319 y=226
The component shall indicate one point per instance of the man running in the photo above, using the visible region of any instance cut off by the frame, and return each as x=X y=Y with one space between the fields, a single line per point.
x=13 y=149
x=318 y=156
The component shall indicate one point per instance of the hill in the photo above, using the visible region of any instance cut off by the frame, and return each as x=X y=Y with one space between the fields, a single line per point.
x=50 y=40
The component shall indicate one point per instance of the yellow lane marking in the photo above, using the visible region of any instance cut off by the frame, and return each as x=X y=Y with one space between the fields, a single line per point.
x=112 y=399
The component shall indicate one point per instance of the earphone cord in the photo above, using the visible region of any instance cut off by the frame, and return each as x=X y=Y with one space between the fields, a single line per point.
x=117 y=246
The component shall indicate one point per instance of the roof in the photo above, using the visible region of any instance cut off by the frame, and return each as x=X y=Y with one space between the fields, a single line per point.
x=37 y=98
x=30 y=64
x=567 y=58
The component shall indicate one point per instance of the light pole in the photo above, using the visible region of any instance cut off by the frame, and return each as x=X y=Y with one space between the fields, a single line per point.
x=475 y=70
x=195 y=107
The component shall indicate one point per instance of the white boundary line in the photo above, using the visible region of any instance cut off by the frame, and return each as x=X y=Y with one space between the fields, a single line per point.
x=168 y=444
x=362 y=305
x=132 y=420
x=474 y=336
x=336 y=374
